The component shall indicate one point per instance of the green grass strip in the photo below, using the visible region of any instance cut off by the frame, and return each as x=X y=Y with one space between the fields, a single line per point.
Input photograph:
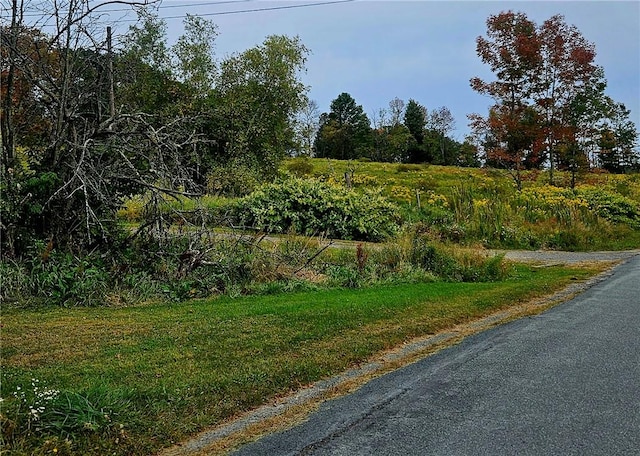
x=163 y=372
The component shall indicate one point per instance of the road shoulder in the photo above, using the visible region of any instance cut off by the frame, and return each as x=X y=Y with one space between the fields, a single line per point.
x=287 y=411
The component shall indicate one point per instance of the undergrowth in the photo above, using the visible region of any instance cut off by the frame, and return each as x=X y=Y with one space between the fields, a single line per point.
x=202 y=264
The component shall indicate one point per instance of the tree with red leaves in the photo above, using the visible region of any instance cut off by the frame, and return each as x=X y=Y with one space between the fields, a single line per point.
x=548 y=94
x=512 y=50
x=567 y=68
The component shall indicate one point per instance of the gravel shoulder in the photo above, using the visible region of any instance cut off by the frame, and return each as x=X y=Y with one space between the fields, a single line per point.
x=558 y=257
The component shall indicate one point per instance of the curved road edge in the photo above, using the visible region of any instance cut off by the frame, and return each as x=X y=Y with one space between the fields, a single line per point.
x=290 y=410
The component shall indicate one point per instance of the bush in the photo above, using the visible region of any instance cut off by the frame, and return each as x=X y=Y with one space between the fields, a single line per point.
x=232 y=180
x=300 y=167
x=54 y=277
x=612 y=207
x=310 y=207
x=408 y=167
x=414 y=251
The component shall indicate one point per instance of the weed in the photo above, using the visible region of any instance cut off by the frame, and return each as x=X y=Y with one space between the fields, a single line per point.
x=362 y=256
x=57 y=418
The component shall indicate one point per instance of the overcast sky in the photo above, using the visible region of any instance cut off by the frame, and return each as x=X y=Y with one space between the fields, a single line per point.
x=425 y=50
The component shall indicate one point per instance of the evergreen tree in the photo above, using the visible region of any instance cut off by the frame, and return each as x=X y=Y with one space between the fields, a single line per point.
x=415 y=119
x=345 y=132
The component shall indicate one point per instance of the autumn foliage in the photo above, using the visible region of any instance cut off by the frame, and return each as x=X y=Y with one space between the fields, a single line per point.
x=549 y=101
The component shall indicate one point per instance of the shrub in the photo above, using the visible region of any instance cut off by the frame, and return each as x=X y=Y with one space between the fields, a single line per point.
x=414 y=250
x=408 y=167
x=60 y=278
x=310 y=207
x=612 y=207
x=300 y=166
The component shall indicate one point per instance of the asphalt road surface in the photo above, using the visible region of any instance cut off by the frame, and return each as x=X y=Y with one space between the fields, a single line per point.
x=566 y=382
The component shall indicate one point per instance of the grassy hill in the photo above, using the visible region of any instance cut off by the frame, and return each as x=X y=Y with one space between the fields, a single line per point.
x=468 y=206
x=471 y=205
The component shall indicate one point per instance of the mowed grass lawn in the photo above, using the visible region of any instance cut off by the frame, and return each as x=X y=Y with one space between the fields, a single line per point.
x=165 y=371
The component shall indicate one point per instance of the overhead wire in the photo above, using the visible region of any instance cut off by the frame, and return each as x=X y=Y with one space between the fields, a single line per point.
x=213 y=3
x=254 y=10
x=159 y=7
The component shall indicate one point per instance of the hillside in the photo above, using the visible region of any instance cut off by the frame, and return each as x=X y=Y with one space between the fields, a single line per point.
x=476 y=205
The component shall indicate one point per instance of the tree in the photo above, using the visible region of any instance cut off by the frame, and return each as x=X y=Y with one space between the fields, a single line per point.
x=549 y=96
x=400 y=142
x=24 y=118
x=510 y=138
x=145 y=74
x=396 y=110
x=441 y=121
x=583 y=118
x=344 y=132
x=618 y=141
x=256 y=99
x=380 y=134
x=391 y=139
x=194 y=53
x=415 y=119
x=566 y=68
x=468 y=155
x=65 y=181
x=512 y=50
x=307 y=123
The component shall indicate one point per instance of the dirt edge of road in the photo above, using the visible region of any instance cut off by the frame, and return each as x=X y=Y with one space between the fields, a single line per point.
x=287 y=411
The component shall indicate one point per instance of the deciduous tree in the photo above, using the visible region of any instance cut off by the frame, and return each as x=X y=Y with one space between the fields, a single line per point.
x=544 y=74
x=257 y=96
x=512 y=50
x=396 y=111
x=307 y=123
x=566 y=68
x=441 y=121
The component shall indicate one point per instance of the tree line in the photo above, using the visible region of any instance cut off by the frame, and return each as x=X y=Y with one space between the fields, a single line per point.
x=402 y=133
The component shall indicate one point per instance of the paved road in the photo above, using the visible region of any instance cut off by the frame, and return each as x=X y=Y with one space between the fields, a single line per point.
x=566 y=382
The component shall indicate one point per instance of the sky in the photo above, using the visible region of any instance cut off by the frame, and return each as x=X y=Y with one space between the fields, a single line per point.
x=424 y=50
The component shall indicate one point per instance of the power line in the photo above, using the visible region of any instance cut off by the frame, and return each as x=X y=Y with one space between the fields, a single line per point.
x=158 y=7
x=255 y=10
x=220 y=13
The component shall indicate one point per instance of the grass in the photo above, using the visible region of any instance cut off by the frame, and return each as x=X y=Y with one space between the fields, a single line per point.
x=161 y=372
